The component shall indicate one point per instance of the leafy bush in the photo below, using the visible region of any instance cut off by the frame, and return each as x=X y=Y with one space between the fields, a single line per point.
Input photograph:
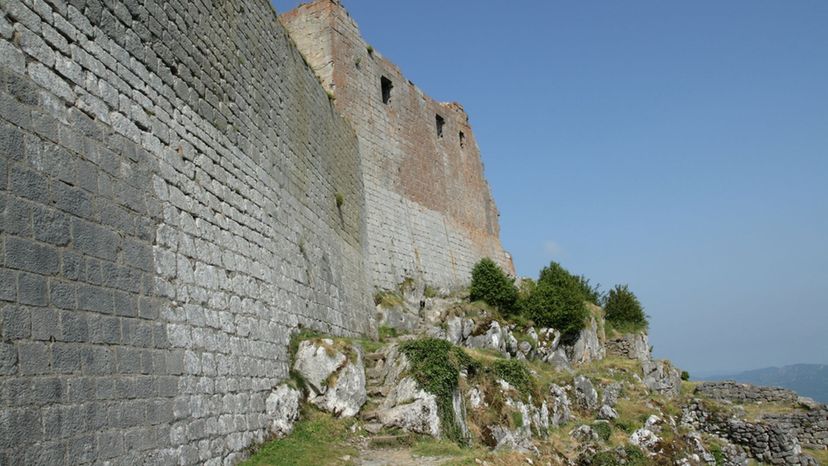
x=624 y=311
x=436 y=366
x=602 y=429
x=515 y=373
x=685 y=375
x=592 y=293
x=491 y=285
x=558 y=301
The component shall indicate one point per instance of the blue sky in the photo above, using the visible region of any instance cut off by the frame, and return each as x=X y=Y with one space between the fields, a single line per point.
x=679 y=147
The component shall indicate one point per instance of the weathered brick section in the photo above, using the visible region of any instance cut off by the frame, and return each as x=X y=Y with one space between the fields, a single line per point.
x=168 y=187
x=431 y=215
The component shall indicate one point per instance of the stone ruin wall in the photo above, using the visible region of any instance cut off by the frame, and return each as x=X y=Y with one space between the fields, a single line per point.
x=168 y=187
x=809 y=424
x=431 y=215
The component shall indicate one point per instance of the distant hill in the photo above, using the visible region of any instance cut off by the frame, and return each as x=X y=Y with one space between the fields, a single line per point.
x=806 y=379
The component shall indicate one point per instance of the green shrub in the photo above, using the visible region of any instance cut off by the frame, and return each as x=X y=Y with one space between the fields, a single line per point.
x=685 y=375
x=592 y=293
x=624 y=311
x=558 y=301
x=491 y=285
x=436 y=366
x=516 y=374
x=602 y=429
x=718 y=454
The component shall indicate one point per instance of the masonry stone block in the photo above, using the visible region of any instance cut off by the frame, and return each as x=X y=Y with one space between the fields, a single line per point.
x=33 y=358
x=8 y=359
x=29 y=184
x=66 y=358
x=73 y=200
x=16 y=322
x=94 y=298
x=46 y=324
x=75 y=326
x=31 y=256
x=95 y=240
x=17 y=217
x=62 y=294
x=8 y=285
x=32 y=289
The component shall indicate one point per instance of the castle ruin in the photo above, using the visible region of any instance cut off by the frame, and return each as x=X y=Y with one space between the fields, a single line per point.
x=180 y=193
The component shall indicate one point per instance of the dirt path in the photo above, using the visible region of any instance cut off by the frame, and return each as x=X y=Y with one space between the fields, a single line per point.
x=395 y=457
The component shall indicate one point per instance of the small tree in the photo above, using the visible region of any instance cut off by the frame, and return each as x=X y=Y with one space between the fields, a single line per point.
x=490 y=284
x=558 y=301
x=624 y=311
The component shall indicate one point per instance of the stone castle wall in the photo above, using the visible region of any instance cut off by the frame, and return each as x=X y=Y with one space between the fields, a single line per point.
x=168 y=187
x=431 y=215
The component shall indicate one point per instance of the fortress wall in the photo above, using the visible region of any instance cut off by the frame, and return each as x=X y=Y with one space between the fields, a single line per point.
x=168 y=187
x=431 y=215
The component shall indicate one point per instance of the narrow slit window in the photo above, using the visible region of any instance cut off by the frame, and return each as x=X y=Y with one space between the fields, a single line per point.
x=462 y=140
x=386 y=85
x=440 y=123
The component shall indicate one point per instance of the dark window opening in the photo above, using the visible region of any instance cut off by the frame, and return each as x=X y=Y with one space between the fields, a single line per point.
x=462 y=140
x=387 y=85
x=440 y=123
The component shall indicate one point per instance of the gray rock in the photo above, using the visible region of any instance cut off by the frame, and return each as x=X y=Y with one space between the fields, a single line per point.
x=645 y=439
x=607 y=413
x=282 y=408
x=661 y=377
x=611 y=394
x=398 y=317
x=315 y=361
x=346 y=394
x=492 y=339
x=560 y=409
x=585 y=393
x=505 y=439
x=476 y=398
x=459 y=408
x=588 y=347
x=559 y=360
x=336 y=384
x=584 y=434
x=454 y=330
x=411 y=408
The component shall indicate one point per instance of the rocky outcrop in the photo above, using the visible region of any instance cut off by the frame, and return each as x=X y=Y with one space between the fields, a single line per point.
x=588 y=347
x=282 y=408
x=585 y=393
x=661 y=377
x=403 y=403
x=409 y=407
x=335 y=380
x=630 y=346
x=560 y=412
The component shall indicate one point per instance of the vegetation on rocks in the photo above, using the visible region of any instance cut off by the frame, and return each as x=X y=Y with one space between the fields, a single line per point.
x=436 y=366
x=558 y=301
x=490 y=284
x=623 y=310
x=317 y=438
x=516 y=374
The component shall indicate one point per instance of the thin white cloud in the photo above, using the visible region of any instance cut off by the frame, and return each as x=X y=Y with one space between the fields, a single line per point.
x=552 y=248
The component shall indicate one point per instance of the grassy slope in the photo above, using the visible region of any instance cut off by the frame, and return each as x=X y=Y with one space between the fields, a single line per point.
x=317 y=439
